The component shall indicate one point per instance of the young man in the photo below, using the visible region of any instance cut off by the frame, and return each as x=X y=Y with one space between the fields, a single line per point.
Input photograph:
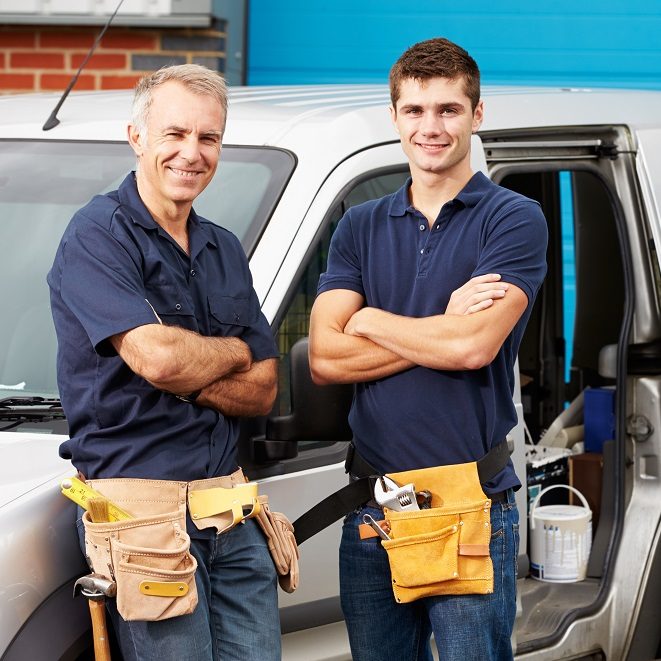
x=162 y=345
x=434 y=385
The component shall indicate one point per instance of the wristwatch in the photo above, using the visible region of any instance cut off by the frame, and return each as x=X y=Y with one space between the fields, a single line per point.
x=190 y=398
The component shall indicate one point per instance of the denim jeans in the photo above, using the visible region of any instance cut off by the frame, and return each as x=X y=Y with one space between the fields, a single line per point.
x=466 y=627
x=237 y=612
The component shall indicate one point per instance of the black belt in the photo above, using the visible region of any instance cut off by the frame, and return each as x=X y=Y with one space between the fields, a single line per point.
x=360 y=490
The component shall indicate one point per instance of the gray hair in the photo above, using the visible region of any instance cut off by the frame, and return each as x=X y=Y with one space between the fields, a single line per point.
x=194 y=77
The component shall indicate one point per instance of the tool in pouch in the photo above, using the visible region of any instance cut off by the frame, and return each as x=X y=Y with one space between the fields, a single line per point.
x=439 y=529
x=82 y=494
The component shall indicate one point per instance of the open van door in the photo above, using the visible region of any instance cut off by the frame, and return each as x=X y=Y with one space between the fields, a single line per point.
x=599 y=303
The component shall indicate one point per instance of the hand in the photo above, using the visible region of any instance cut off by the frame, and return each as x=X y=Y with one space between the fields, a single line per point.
x=477 y=294
x=358 y=318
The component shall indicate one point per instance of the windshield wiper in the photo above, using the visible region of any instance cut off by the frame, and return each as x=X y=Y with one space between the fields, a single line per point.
x=29 y=409
x=35 y=400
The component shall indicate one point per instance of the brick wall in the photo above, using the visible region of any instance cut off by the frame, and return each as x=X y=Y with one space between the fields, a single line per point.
x=44 y=58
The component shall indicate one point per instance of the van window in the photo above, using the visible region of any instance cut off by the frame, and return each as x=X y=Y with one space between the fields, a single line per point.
x=295 y=322
x=67 y=175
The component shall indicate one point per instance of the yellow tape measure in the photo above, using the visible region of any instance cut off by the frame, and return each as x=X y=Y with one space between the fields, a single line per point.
x=80 y=493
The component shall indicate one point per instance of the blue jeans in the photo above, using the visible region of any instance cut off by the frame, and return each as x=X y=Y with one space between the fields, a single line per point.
x=466 y=627
x=237 y=612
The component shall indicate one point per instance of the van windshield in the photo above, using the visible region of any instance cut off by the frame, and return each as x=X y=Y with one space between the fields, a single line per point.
x=42 y=184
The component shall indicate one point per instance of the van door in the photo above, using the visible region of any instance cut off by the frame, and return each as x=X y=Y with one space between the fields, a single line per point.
x=598 y=305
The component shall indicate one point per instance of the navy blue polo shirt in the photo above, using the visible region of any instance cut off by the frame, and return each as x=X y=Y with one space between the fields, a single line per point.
x=114 y=270
x=385 y=251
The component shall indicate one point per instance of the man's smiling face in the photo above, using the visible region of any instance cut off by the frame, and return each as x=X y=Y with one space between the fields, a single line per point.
x=435 y=120
x=179 y=150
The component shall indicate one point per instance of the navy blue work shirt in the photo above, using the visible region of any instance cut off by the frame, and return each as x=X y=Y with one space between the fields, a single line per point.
x=116 y=269
x=385 y=250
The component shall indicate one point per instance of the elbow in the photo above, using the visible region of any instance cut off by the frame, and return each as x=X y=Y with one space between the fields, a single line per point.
x=477 y=361
x=159 y=370
x=268 y=400
x=322 y=372
x=466 y=356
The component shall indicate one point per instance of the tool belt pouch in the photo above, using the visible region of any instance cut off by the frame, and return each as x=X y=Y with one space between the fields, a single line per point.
x=444 y=549
x=148 y=556
x=222 y=502
x=279 y=534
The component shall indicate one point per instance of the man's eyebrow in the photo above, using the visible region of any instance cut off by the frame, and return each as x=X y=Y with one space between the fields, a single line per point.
x=180 y=129
x=175 y=129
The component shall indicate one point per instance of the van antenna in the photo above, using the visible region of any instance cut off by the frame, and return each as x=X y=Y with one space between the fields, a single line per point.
x=53 y=121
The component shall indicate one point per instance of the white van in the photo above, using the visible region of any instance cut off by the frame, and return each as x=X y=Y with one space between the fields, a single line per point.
x=294 y=160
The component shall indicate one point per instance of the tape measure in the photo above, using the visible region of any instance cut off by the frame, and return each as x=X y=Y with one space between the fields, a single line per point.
x=80 y=493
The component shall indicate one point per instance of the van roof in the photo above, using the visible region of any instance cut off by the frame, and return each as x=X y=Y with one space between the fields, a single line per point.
x=289 y=116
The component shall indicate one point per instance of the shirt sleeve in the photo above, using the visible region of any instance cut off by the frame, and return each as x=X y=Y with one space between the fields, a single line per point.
x=102 y=285
x=343 y=270
x=515 y=247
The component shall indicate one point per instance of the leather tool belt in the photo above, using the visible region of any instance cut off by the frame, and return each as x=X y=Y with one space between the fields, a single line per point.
x=148 y=554
x=360 y=489
x=444 y=548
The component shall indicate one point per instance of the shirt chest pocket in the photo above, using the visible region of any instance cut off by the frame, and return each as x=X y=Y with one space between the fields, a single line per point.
x=231 y=315
x=171 y=306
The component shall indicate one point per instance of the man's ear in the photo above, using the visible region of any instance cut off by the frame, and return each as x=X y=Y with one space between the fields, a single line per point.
x=393 y=117
x=478 y=116
x=134 y=139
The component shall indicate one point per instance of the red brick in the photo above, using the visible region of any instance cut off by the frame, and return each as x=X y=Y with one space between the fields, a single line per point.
x=36 y=60
x=16 y=39
x=130 y=41
x=2 y=60
x=16 y=81
x=66 y=39
x=100 y=61
x=56 y=81
x=119 y=82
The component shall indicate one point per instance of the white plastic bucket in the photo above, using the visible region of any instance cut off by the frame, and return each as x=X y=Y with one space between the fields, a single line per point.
x=560 y=541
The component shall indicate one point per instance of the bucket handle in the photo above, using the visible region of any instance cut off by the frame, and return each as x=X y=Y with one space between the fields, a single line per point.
x=546 y=490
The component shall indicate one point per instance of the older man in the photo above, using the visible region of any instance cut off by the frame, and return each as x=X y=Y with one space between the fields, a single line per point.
x=162 y=346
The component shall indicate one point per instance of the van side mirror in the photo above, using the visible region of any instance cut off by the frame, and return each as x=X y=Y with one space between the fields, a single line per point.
x=318 y=413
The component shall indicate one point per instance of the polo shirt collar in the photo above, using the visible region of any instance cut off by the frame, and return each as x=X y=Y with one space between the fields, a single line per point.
x=197 y=234
x=474 y=190
x=469 y=195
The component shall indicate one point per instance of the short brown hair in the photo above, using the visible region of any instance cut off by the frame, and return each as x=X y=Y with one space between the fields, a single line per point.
x=436 y=58
x=194 y=77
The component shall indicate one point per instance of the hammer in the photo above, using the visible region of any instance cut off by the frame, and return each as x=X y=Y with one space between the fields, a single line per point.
x=96 y=588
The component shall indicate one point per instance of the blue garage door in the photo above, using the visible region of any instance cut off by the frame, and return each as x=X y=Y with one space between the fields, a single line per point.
x=559 y=42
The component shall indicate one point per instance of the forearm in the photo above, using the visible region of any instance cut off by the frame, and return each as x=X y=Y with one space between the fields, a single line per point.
x=339 y=358
x=178 y=360
x=243 y=394
x=444 y=342
x=438 y=342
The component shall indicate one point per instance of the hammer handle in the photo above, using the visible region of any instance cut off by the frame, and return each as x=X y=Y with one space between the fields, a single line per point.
x=99 y=630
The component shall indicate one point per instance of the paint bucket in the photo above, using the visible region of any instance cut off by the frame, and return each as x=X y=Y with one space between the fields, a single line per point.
x=560 y=541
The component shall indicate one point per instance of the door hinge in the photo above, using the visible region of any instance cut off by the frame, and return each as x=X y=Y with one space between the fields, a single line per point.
x=607 y=150
x=639 y=428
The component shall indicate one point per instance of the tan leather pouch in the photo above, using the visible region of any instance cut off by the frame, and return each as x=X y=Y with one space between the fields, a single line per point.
x=279 y=534
x=222 y=502
x=148 y=556
x=444 y=549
